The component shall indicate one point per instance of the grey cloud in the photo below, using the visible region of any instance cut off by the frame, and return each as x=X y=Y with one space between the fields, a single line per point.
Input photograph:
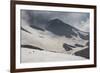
x=41 y=18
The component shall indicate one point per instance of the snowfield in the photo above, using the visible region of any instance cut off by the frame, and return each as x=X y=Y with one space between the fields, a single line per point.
x=31 y=55
x=51 y=44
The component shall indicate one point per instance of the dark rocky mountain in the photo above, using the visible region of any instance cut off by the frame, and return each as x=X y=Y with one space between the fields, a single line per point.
x=31 y=47
x=25 y=30
x=79 y=45
x=83 y=53
x=85 y=37
x=87 y=44
x=36 y=27
x=68 y=47
x=60 y=28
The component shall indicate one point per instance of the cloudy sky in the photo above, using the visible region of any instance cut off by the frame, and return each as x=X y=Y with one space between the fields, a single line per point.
x=40 y=18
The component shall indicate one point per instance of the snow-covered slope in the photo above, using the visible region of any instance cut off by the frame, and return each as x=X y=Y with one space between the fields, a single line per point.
x=32 y=55
x=66 y=44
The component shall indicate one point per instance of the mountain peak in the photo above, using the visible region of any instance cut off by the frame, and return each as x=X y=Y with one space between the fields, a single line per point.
x=60 y=28
x=56 y=21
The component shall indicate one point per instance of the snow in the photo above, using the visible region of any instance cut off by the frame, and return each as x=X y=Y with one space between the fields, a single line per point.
x=32 y=55
x=52 y=45
x=48 y=41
